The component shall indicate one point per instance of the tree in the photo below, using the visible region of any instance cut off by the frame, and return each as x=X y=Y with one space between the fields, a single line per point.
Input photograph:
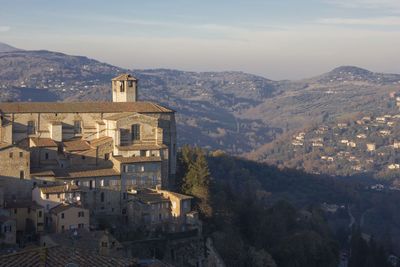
x=196 y=182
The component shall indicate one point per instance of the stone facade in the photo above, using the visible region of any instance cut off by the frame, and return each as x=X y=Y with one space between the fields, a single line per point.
x=36 y=138
x=14 y=162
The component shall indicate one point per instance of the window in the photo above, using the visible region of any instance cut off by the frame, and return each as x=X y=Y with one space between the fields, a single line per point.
x=83 y=157
x=102 y=197
x=121 y=87
x=11 y=155
x=46 y=156
x=81 y=214
x=107 y=156
x=58 y=195
x=40 y=214
x=21 y=174
x=135 y=131
x=15 y=211
x=81 y=225
x=101 y=182
x=29 y=210
x=62 y=215
x=31 y=129
x=130 y=83
x=21 y=154
x=62 y=227
x=77 y=127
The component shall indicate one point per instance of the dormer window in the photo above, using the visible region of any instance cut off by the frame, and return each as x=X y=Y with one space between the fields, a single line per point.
x=31 y=129
x=77 y=127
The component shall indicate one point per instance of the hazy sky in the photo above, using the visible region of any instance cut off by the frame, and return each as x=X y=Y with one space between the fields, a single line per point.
x=279 y=39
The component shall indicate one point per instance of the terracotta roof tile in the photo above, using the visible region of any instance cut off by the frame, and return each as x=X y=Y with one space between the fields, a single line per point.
x=43 y=142
x=55 y=189
x=136 y=159
x=61 y=256
x=63 y=207
x=65 y=173
x=76 y=145
x=100 y=141
x=141 y=147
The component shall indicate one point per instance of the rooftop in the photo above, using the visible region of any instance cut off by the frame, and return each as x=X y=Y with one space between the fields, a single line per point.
x=74 y=173
x=43 y=142
x=83 y=107
x=148 y=196
x=142 y=147
x=100 y=141
x=76 y=145
x=63 y=207
x=136 y=159
x=124 y=77
x=61 y=256
x=55 y=189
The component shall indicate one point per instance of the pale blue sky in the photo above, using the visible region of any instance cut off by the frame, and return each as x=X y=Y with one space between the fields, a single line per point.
x=275 y=38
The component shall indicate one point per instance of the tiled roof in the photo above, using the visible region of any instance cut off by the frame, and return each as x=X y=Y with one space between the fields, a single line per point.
x=42 y=172
x=124 y=77
x=100 y=141
x=76 y=145
x=55 y=189
x=63 y=207
x=44 y=142
x=149 y=196
x=71 y=173
x=61 y=256
x=136 y=159
x=89 y=107
x=141 y=147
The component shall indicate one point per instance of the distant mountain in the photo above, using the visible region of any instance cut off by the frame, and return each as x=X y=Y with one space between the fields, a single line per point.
x=355 y=74
x=233 y=111
x=7 y=48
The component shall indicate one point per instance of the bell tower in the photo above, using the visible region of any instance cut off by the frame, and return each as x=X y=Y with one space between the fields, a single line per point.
x=124 y=88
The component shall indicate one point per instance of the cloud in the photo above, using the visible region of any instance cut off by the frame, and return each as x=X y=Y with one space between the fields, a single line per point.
x=4 y=28
x=378 y=21
x=367 y=4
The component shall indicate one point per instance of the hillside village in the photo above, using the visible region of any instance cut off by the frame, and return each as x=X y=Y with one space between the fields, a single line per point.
x=366 y=143
x=97 y=173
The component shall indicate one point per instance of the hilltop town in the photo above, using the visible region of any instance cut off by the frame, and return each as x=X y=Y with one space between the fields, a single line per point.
x=365 y=143
x=73 y=175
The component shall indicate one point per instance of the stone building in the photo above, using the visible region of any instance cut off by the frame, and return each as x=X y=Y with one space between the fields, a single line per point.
x=29 y=216
x=133 y=140
x=105 y=148
x=66 y=217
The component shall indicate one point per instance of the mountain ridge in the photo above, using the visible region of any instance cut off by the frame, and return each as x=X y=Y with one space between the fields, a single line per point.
x=234 y=111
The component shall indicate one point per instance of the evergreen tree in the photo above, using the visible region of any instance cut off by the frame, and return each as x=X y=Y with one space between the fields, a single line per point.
x=196 y=182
